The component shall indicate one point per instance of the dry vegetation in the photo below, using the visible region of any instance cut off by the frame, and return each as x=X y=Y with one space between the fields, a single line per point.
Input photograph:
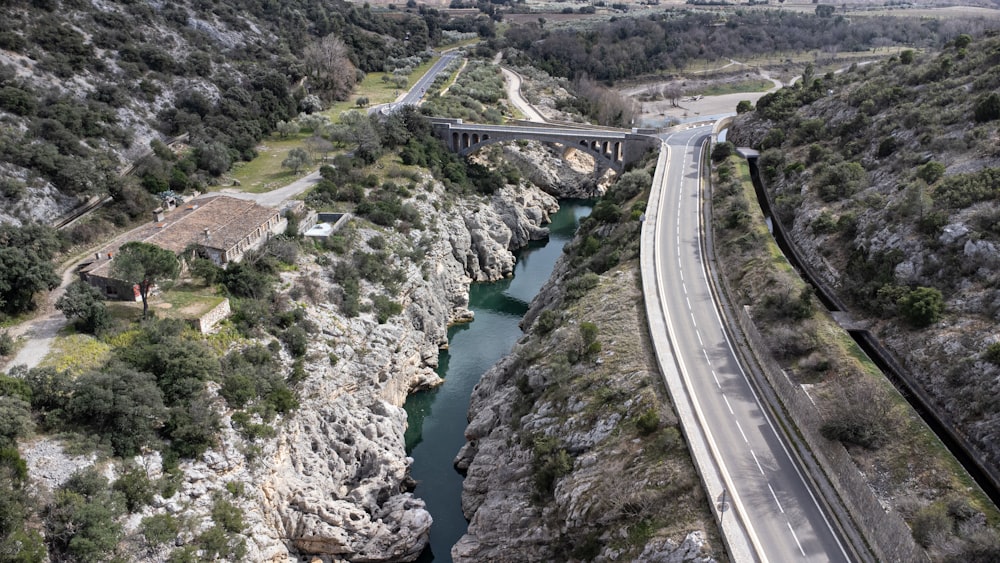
x=908 y=468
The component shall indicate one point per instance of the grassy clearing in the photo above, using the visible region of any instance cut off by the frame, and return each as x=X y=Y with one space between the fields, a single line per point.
x=741 y=87
x=181 y=302
x=76 y=353
x=823 y=61
x=265 y=173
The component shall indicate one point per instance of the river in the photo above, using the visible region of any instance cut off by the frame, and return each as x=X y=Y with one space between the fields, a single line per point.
x=437 y=418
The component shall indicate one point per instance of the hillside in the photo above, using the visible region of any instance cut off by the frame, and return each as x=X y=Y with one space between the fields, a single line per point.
x=86 y=86
x=887 y=177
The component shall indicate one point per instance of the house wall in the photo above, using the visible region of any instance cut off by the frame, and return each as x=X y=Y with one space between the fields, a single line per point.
x=112 y=289
x=256 y=239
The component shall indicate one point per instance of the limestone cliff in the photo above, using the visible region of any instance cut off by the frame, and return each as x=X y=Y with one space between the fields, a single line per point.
x=573 y=451
x=334 y=482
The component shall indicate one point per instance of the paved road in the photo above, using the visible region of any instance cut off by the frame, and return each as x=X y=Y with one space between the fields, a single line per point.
x=513 y=81
x=781 y=517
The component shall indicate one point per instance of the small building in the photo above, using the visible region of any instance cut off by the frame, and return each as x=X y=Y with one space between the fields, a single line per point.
x=219 y=228
x=326 y=224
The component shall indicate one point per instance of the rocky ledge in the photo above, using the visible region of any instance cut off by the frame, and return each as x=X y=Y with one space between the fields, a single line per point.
x=572 y=451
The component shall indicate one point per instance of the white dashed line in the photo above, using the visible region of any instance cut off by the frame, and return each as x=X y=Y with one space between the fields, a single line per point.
x=776 y=501
x=802 y=551
x=740 y=428
x=730 y=407
x=700 y=341
x=757 y=461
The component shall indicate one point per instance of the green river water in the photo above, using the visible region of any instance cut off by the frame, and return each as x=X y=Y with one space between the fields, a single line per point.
x=437 y=418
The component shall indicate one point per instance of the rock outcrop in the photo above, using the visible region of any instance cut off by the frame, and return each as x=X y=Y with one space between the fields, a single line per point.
x=334 y=483
x=555 y=466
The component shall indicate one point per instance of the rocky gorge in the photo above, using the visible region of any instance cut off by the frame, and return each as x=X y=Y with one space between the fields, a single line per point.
x=333 y=484
x=573 y=451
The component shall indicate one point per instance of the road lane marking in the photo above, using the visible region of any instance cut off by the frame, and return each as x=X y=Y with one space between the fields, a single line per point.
x=777 y=502
x=796 y=538
x=757 y=461
x=698 y=334
x=688 y=302
x=730 y=407
x=684 y=287
x=740 y=428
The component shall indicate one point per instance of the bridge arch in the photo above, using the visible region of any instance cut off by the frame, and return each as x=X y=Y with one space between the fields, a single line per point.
x=610 y=148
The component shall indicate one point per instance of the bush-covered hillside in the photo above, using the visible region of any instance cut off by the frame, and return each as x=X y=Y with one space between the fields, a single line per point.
x=85 y=86
x=887 y=176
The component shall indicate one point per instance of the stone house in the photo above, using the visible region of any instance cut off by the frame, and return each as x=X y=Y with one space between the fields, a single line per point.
x=216 y=227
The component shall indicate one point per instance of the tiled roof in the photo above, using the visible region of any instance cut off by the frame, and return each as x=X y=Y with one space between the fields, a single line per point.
x=227 y=220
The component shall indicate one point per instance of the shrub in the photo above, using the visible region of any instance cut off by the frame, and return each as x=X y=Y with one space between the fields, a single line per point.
x=385 y=308
x=227 y=516
x=6 y=344
x=579 y=286
x=860 y=412
x=931 y=524
x=648 y=422
x=922 y=306
x=931 y=172
x=160 y=528
x=549 y=320
x=135 y=486
x=722 y=151
x=987 y=108
x=992 y=353
x=550 y=463
x=296 y=339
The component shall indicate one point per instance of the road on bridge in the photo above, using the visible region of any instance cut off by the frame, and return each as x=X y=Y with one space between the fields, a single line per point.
x=782 y=521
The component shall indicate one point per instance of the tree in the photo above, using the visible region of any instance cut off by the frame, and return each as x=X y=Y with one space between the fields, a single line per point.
x=81 y=523
x=82 y=304
x=988 y=108
x=744 y=106
x=329 y=68
x=296 y=159
x=318 y=145
x=825 y=10
x=144 y=264
x=906 y=56
x=287 y=128
x=358 y=128
x=25 y=265
x=122 y=404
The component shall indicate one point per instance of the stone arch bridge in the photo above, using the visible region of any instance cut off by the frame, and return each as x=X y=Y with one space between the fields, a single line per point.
x=611 y=148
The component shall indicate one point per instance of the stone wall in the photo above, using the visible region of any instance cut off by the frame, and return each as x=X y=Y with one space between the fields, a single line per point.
x=207 y=322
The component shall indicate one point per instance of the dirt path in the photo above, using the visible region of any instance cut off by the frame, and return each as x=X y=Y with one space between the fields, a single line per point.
x=42 y=329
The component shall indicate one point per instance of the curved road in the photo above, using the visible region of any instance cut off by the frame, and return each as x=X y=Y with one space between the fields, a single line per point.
x=513 y=81
x=781 y=520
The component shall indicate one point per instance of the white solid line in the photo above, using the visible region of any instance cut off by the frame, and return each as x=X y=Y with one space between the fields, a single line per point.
x=740 y=428
x=802 y=551
x=778 y=503
x=757 y=461
x=730 y=407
